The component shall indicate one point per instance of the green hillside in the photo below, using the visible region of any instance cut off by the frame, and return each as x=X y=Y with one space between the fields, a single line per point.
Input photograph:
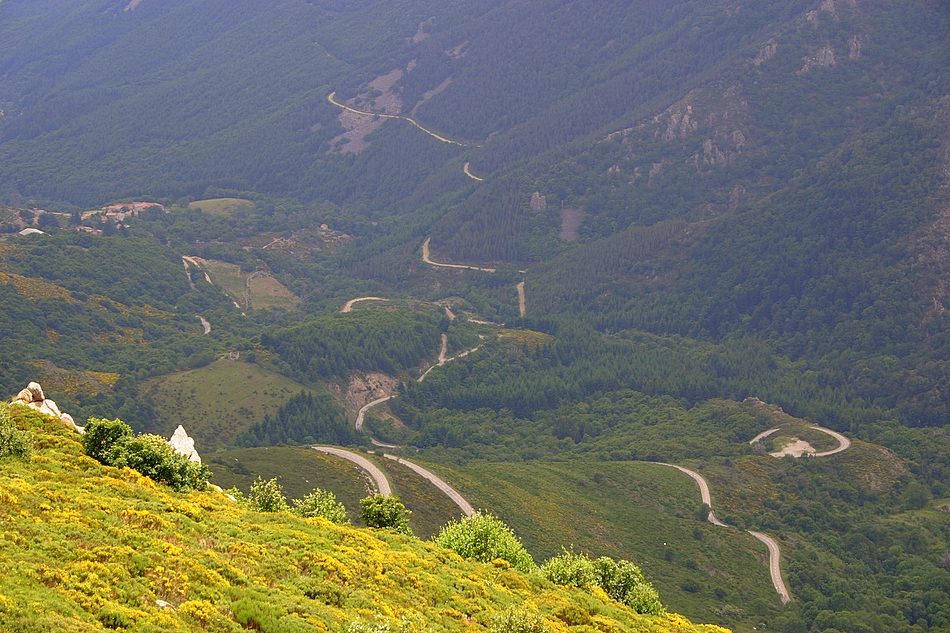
x=639 y=511
x=218 y=567
x=226 y=398
x=645 y=230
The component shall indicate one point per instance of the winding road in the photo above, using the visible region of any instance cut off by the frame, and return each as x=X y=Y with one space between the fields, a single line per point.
x=843 y=442
x=438 y=482
x=468 y=172
x=775 y=565
x=205 y=324
x=775 y=553
x=348 y=306
x=427 y=258
x=443 y=350
x=332 y=99
x=366 y=407
x=378 y=477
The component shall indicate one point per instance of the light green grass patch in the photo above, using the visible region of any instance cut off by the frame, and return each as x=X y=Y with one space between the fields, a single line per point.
x=266 y=292
x=262 y=290
x=223 y=206
x=218 y=402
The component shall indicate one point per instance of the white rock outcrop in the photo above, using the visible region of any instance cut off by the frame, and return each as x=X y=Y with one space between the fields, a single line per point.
x=34 y=398
x=184 y=444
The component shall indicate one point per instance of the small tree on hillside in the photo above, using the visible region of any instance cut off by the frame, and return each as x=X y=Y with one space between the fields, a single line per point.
x=13 y=442
x=321 y=503
x=379 y=511
x=101 y=435
x=267 y=496
x=485 y=538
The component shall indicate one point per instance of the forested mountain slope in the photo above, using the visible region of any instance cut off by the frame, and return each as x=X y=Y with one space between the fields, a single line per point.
x=635 y=218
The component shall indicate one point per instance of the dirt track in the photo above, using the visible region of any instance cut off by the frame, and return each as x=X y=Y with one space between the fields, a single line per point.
x=366 y=407
x=426 y=257
x=843 y=442
x=775 y=565
x=468 y=172
x=348 y=306
x=332 y=99
x=522 y=305
x=775 y=553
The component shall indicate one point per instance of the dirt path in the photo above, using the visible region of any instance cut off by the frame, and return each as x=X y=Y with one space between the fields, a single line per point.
x=761 y=436
x=468 y=172
x=426 y=257
x=332 y=99
x=348 y=306
x=196 y=262
x=443 y=350
x=522 y=306
x=205 y=324
x=191 y=282
x=438 y=482
x=379 y=478
x=366 y=407
x=843 y=443
x=775 y=553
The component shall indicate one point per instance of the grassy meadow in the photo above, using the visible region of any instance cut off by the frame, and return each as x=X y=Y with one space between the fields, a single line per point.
x=224 y=399
x=225 y=207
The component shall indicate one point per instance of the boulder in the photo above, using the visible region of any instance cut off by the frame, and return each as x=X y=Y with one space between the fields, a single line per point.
x=36 y=391
x=45 y=409
x=52 y=407
x=183 y=444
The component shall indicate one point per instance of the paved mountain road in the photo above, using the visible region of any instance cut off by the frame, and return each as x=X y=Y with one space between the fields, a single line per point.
x=775 y=553
x=438 y=482
x=348 y=306
x=379 y=478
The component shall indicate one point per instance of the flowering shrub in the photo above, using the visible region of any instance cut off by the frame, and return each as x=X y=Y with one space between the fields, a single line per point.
x=385 y=512
x=13 y=442
x=485 y=538
x=519 y=621
x=267 y=496
x=622 y=580
x=153 y=457
x=321 y=503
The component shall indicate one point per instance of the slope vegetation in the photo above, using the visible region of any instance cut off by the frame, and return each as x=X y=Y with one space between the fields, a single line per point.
x=150 y=559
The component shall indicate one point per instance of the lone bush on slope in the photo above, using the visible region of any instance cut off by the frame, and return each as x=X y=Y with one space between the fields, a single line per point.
x=621 y=580
x=485 y=538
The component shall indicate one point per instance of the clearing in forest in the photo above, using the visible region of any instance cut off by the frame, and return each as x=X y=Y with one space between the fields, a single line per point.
x=225 y=207
x=223 y=400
